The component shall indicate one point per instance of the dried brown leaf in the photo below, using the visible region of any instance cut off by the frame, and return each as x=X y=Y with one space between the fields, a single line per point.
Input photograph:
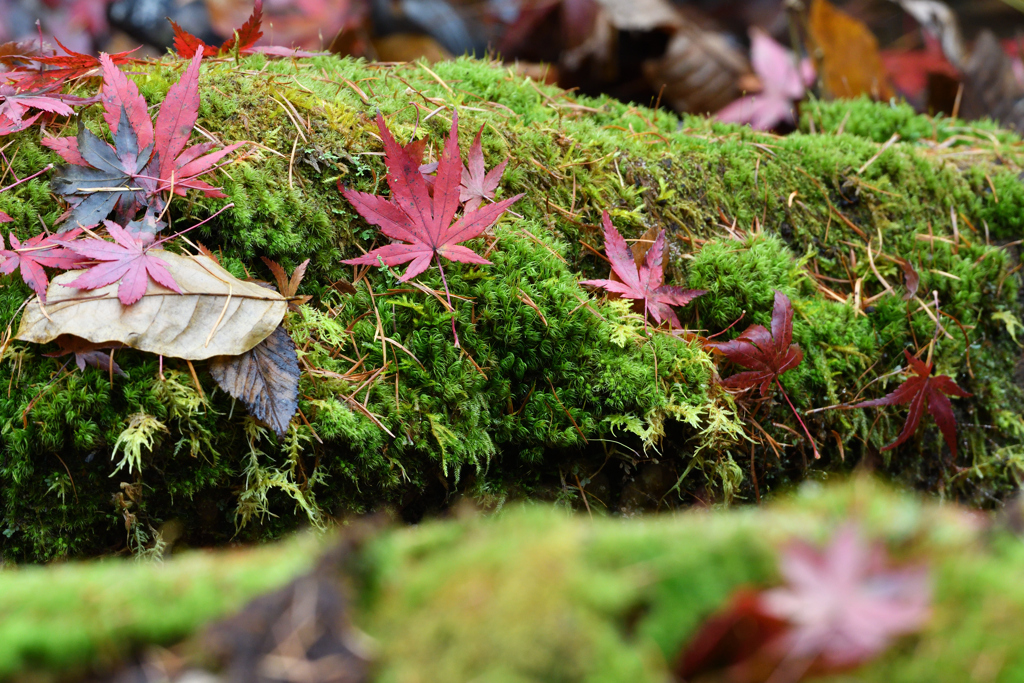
x=217 y=314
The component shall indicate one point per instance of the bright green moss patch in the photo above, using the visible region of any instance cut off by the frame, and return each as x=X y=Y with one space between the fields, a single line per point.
x=553 y=394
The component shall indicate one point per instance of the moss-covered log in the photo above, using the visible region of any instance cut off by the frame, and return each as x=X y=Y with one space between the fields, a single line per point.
x=554 y=394
x=538 y=595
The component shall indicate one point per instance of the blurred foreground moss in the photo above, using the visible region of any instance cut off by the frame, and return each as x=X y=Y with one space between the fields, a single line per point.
x=535 y=594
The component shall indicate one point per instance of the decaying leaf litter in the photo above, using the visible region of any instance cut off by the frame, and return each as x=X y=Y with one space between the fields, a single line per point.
x=396 y=349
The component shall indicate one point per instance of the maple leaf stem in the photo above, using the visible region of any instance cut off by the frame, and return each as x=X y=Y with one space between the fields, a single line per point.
x=25 y=180
x=814 y=446
x=444 y=281
x=207 y=220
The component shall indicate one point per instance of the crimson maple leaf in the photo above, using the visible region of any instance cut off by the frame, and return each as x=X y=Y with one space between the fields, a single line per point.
x=15 y=102
x=476 y=184
x=766 y=355
x=423 y=222
x=65 y=67
x=35 y=254
x=244 y=40
x=843 y=604
x=146 y=159
x=918 y=390
x=643 y=283
x=128 y=259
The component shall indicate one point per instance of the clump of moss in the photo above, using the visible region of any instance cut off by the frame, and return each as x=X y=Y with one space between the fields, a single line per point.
x=550 y=385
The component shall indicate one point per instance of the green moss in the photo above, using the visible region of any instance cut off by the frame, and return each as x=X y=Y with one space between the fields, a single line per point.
x=546 y=387
x=74 y=618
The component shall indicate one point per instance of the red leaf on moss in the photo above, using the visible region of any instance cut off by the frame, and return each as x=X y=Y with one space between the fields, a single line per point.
x=920 y=390
x=127 y=259
x=477 y=184
x=425 y=223
x=147 y=159
x=187 y=45
x=766 y=354
x=35 y=254
x=246 y=36
x=7 y=126
x=643 y=283
x=66 y=67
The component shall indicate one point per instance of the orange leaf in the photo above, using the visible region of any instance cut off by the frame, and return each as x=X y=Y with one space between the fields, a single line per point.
x=846 y=54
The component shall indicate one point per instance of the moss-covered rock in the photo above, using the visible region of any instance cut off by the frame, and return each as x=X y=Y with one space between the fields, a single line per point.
x=549 y=396
x=535 y=594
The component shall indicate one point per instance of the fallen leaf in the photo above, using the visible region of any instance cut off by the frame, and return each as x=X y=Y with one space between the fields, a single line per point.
x=843 y=604
x=991 y=88
x=128 y=261
x=215 y=315
x=7 y=126
x=478 y=184
x=423 y=221
x=265 y=378
x=88 y=353
x=767 y=355
x=699 y=72
x=146 y=160
x=643 y=283
x=289 y=286
x=66 y=67
x=243 y=39
x=910 y=278
x=846 y=54
x=15 y=102
x=783 y=84
x=33 y=255
x=919 y=390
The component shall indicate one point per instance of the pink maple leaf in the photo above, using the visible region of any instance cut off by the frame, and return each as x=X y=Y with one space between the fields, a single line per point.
x=128 y=259
x=31 y=257
x=783 y=84
x=843 y=604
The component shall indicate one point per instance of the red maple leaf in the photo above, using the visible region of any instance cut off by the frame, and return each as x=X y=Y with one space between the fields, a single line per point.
x=422 y=219
x=842 y=606
x=15 y=102
x=643 y=283
x=767 y=355
x=423 y=222
x=35 y=254
x=476 y=184
x=65 y=67
x=243 y=39
x=186 y=44
x=127 y=259
x=918 y=390
x=146 y=159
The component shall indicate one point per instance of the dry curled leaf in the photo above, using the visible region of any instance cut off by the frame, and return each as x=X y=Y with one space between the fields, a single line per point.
x=265 y=378
x=215 y=315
